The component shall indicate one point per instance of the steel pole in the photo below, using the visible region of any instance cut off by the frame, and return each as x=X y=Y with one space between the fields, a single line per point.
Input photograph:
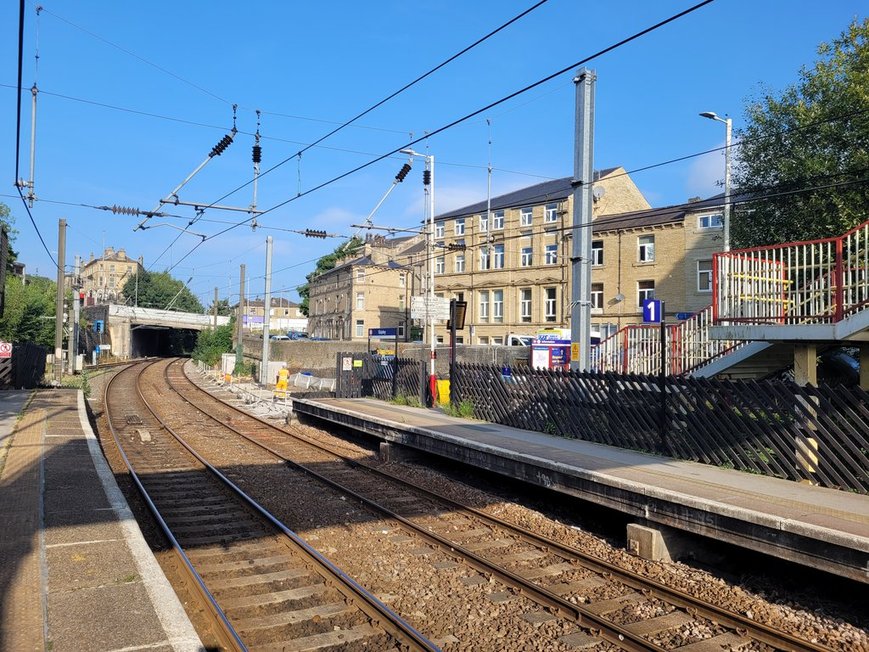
x=728 y=124
x=431 y=272
x=239 y=342
x=58 y=307
x=267 y=308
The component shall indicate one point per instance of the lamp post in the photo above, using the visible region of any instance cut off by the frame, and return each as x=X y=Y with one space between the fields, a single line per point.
x=728 y=124
x=428 y=180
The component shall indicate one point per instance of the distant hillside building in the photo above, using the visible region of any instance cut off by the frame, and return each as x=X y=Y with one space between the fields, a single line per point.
x=102 y=279
x=284 y=316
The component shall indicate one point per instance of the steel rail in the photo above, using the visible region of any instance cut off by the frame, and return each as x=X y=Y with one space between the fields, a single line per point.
x=394 y=625
x=226 y=631
x=759 y=631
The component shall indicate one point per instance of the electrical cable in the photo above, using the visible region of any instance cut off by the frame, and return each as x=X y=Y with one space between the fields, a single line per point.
x=597 y=54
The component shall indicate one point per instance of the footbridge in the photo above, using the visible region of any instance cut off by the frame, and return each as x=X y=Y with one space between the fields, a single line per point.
x=773 y=308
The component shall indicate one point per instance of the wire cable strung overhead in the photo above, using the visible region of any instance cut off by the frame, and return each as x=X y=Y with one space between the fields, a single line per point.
x=458 y=121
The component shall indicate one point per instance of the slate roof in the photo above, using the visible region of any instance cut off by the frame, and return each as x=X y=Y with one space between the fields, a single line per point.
x=548 y=191
x=654 y=216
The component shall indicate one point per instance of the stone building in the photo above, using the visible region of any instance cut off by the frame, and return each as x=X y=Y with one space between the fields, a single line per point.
x=285 y=315
x=512 y=264
x=373 y=289
x=102 y=279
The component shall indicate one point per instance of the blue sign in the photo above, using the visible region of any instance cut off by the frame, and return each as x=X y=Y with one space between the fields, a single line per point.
x=682 y=316
x=382 y=332
x=652 y=311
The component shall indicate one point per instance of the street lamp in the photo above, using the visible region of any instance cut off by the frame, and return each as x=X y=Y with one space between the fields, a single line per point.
x=428 y=180
x=728 y=123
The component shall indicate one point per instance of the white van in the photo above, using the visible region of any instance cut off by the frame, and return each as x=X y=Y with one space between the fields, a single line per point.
x=514 y=339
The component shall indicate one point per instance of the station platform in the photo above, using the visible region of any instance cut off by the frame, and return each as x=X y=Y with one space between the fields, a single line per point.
x=75 y=571
x=813 y=526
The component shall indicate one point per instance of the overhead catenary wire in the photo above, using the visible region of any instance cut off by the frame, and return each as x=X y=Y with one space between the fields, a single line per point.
x=506 y=98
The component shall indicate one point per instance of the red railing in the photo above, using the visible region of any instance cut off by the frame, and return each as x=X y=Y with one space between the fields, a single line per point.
x=816 y=281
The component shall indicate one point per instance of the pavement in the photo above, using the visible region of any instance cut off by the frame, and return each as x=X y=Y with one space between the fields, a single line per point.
x=75 y=570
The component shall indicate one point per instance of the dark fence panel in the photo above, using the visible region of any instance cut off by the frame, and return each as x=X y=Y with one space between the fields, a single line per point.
x=365 y=374
x=775 y=428
x=25 y=369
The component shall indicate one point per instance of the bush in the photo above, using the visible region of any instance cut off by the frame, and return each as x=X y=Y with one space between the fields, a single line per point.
x=212 y=343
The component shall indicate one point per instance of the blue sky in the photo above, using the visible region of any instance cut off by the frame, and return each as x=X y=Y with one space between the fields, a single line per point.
x=134 y=96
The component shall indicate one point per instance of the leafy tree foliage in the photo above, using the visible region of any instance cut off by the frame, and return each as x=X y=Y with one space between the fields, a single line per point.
x=810 y=147
x=29 y=313
x=159 y=290
x=6 y=222
x=327 y=262
x=212 y=343
x=223 y=308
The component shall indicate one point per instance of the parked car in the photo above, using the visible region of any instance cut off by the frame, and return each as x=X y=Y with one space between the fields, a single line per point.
x=279 y=337
x=293 y=335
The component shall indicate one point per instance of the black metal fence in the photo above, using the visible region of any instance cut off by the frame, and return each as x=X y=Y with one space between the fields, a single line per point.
x=25 y=369
x=774 y=428
x=384 y=377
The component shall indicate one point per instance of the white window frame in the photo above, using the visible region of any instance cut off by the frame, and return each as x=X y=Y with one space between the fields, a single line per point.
x=596 y=298
x=704 y=273
x=360 y=301
x=485 y=258
x=646 y=248
x=484 y=305
x=710 y=221
x=498 y=305
x=498 y=220
x=439 y=265
x=498 y=259
x=526 y=216
x=360 y=274
x=550 y=213
x=460 y=262
x=402 y=281
x=484 y=223
x=360 y=328
x=597 y=253
x=551 y=304
x=644 y=293
x=551 y=254
x=526 y=258
x=459 y=226
x=525 y=305
x=439 y=229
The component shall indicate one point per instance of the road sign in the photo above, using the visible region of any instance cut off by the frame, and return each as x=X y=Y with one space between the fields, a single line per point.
x=652 y=311
x=382 y=332
x=5 y=349
x=421 y=306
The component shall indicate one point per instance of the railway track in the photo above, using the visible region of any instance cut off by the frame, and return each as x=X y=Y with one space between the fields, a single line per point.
x=624 y=608
x=263 y=586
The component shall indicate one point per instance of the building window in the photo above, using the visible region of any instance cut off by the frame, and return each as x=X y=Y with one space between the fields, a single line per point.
x=498 y=257
x=484 y=223
x=597 y=252
x=402 y=281
x=439 y=265
x=483 y=340
x=602 y=331
x=460 y=262
x=527 y=256
x=551 y=305
x=460 y=226
x=498 y=305
x=645 y=290
x=711 y=221
x=360 y=301
x=360 y=327
x=597 y=297
x=401 y=301
x=552 y=254
x=550 y=213
x=498 y=221
x=646 y=248
x=525 y=217
x=401 y=331
x=439 y=230
x=360 y=274
x=484 y=258
x=704 y=276
x=484 y=305
x=525 y=305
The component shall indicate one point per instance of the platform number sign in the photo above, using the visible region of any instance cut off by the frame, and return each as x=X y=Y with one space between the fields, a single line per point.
x=652 y=311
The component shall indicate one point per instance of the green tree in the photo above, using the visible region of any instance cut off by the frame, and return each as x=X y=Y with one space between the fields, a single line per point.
x=212 y=343
x=223 y=308
x=327 y=262
x=159 y=290
x=6 y=222
x=815 y=134
x=29 y=312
